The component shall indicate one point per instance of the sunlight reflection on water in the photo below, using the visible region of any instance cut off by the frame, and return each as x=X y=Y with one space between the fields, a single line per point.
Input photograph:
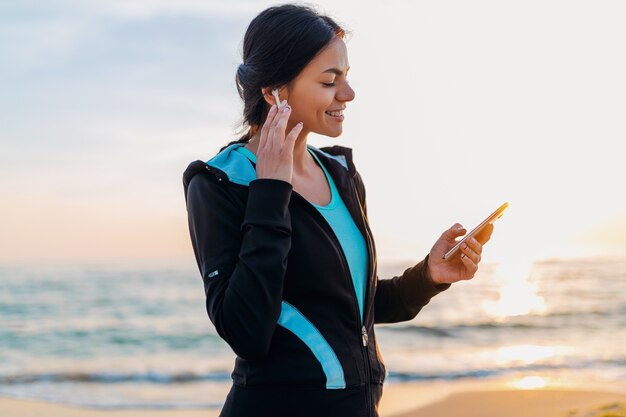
x=517 y=294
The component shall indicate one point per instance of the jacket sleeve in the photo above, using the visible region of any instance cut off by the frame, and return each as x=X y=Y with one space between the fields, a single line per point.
x=402 y=297
x=242 y=257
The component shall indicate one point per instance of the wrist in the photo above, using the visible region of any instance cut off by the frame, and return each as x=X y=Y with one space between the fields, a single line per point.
x=428 y=272
x=432 y=277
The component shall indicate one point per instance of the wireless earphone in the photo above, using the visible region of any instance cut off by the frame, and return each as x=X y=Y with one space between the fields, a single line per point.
x=275 y=93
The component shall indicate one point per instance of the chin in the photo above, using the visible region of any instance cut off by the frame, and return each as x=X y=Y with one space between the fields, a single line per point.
x=331 y=133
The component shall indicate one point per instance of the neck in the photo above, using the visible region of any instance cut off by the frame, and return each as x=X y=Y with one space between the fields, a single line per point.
x=302 y=161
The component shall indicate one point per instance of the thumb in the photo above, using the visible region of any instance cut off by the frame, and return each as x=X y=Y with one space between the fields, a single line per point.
x=455 y=231
x=290 y=140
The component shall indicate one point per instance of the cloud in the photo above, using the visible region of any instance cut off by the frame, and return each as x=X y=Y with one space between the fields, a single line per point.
x=136 y=9
x=67 y=37
x=87 y=73
x=29 y=45
x=152 y=8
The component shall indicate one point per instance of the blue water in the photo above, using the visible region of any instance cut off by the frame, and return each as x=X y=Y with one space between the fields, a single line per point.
x=112 y=337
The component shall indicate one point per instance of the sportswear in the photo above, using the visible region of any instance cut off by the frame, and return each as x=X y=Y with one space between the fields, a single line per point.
x=280 y=290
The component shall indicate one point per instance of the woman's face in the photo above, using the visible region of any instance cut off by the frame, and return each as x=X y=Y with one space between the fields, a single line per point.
x=321 y=88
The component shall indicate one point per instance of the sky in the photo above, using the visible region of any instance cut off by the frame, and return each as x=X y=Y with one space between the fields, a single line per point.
x=460 y=106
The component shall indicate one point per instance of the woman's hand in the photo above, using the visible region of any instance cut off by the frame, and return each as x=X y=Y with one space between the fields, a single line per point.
x=459 y=267
x=275 y=152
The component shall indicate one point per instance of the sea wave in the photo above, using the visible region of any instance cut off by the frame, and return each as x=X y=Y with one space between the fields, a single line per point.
x=225 y=376
x=546 y=321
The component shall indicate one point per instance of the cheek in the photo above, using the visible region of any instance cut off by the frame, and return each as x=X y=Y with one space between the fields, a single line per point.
x=323 y=101
x=326 y=97
x=310 y=104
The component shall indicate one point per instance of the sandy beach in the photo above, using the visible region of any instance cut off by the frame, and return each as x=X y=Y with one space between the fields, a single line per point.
x=535 y=403
x=404 y=400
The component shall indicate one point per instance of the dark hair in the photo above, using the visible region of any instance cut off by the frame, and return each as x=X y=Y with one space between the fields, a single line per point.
x=278 y=44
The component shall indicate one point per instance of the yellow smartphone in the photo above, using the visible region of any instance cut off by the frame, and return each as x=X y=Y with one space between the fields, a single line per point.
x=489 y=220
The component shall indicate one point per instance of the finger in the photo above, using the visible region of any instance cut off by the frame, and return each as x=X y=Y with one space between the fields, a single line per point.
x=279 y=113
x=291 y=138
x=281 y=126
x=469 y=265
x=265 y=130
x=452 y=233
x=470 y=253
x=474 y=245
x=275 y=135
x=485 y=234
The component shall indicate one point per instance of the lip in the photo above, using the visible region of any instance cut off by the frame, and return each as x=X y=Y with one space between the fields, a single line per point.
x=337 y=118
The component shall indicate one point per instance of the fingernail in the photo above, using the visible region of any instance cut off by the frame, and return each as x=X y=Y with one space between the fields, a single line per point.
x=282 y=103
x=465 y=246
x=463 y=256
x=300 y=124
x=287 y=108
x=459 y=227
x=273 y=107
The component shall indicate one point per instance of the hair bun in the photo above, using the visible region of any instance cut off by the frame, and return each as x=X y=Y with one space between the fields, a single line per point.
x=245 y=74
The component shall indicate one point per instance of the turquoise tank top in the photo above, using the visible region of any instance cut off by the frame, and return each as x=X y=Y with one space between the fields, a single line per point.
x=350 y=237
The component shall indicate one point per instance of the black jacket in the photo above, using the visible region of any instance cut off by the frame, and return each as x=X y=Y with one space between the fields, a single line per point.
x=263 y=250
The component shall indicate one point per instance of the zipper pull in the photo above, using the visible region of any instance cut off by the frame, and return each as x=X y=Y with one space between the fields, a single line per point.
x=364 y=336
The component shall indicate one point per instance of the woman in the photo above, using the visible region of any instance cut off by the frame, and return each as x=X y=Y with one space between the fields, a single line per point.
x=280 y=233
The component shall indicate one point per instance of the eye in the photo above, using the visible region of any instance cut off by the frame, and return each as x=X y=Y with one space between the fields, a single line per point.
x=328 y=84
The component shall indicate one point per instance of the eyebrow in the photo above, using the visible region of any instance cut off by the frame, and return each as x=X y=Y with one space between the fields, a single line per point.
x=336 y=71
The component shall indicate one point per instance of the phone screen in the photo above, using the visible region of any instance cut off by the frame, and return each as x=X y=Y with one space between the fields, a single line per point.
x=489 y=220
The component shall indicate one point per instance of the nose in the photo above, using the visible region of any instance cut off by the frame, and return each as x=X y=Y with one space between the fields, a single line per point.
x=346 y=93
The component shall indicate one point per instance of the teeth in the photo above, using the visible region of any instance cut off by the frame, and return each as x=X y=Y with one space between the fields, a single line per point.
x=335 y=113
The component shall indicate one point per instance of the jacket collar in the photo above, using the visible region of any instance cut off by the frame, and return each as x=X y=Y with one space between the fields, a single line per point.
x=232 y=164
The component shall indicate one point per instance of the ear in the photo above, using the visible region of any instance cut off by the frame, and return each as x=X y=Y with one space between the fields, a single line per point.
x=269 y=96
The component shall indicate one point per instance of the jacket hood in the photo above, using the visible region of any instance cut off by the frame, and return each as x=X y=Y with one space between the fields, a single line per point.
x=233 y=164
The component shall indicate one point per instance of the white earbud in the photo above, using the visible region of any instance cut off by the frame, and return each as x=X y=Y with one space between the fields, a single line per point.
x=275 y=93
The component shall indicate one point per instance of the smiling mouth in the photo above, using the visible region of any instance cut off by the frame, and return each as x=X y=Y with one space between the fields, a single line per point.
x=338 y=115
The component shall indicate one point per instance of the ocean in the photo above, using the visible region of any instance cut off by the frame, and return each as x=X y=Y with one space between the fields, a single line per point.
x=121 y=337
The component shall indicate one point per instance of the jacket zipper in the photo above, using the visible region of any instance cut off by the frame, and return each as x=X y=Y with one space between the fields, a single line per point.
x=362 y=329
x=364 y=335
